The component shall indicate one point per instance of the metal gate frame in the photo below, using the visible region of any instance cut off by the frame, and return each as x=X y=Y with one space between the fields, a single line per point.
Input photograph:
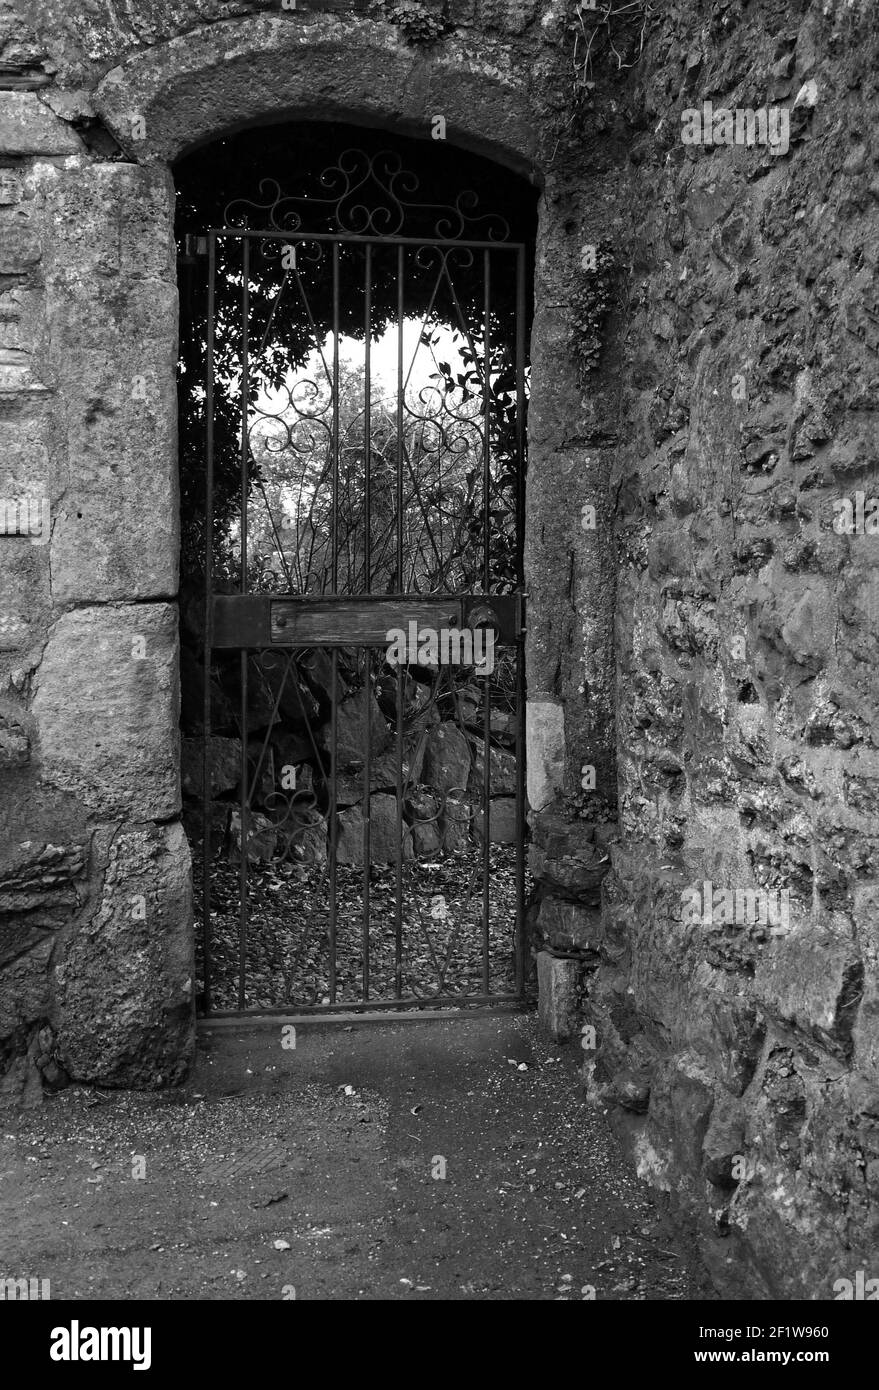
x=250 y=622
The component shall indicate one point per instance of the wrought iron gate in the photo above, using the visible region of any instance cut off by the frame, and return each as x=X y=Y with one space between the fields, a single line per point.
x=364 y=683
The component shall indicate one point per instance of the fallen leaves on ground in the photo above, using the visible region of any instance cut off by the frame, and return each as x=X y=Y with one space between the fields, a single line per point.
x=288 y=955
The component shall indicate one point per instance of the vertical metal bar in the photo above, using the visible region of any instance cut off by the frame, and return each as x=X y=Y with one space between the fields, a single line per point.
x=521 y=943
x=208 y=580
x=398 y=892
x=400 y=389
x=486 y=443
x=335 y=503
x=367 y=423
x=367 y=807
x=245 y=816
x=334 y=731
x=367 y=651
x=398 y=886
x=520 y=417
x=486 y=522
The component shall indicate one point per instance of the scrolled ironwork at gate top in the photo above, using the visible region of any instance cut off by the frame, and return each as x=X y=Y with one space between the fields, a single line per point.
x=365 y=448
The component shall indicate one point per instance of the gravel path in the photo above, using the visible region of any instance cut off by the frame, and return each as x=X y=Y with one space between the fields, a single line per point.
x=438 y=1160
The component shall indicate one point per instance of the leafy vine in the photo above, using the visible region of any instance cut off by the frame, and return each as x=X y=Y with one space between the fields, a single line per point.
x=590 y=304
x=420 y=24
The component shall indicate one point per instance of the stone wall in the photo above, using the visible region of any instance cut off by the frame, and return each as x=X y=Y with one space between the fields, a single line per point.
x=701 y=698
x=741 y=1059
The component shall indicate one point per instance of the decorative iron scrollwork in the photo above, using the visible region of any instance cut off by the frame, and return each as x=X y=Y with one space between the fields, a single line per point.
x=368 y=195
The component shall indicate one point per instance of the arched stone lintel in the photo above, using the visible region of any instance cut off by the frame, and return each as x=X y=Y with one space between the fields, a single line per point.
x=224 y=77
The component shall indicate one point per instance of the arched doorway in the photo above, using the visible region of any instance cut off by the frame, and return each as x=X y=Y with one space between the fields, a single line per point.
x=353 y=391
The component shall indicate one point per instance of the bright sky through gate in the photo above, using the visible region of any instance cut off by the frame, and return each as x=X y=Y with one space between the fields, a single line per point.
x=383 y=362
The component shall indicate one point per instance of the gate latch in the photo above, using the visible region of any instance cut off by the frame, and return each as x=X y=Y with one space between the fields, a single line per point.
x=484 y=616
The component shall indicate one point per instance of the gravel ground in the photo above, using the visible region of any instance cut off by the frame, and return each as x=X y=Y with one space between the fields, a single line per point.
x=447 y=1159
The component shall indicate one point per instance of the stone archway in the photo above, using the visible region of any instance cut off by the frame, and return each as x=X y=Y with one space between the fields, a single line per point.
x=120 y=986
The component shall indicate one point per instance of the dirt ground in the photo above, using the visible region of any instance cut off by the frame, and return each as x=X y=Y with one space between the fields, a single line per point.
x=446 y=1159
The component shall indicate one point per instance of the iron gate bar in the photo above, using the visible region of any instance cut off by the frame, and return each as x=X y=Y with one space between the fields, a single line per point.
x=245 y=812
x=367 y=690
x=521 y=944
x=334 y=821
x=486 y=582
x=352 y=239
x=398 y=881
x=373 y=1005
x=249 y=622
x=209 y=546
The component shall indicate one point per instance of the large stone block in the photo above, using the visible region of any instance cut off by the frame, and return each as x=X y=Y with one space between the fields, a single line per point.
x=565 y=856
x=111 y=316
x=545 y=751
x=107 y=718
x=558 y=1002
x=501 y=770
x=384 y=841
x=27 y=126
x=814 y=980
x=351 y=730
x=569 y=926
x=446 y=765
x=503 y=824
x=125 y=995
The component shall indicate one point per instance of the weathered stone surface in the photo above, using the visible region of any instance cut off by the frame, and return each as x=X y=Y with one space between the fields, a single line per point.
x=111 y=310
x=304 y=839
x=503 y=827
x=262 y=838
x=25 y=989
x=558 y=983
x=564 y=856
x=351 y=730
x=244 y=69
x=14 y=742
x=422 y=809
x=814 y=980
x=544 y=751
x=107 y=718
x=501 y=770
x=455 y=821
x=446 y=765
x=28 y=127
x=568 y=926
x=382 y=777
x=126 y=980
x=384 y=841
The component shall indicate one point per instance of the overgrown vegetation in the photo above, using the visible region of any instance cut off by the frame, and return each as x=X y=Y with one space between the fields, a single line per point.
x=420 y=24
x=603 y=36
x=590 y=304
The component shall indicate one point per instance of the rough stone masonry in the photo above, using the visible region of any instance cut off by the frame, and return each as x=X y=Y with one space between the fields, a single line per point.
x=702 y=565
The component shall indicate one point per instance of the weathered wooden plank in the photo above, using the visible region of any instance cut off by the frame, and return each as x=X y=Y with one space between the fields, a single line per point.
x=351 y=622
